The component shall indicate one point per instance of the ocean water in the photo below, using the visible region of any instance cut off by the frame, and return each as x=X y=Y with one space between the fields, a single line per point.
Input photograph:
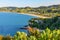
x=10 y=23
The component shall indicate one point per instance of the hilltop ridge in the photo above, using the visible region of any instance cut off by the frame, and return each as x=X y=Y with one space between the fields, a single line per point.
x=46 y=11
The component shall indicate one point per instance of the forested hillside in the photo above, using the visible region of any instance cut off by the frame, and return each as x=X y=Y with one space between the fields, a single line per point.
x=42 y=10
x=51 y=23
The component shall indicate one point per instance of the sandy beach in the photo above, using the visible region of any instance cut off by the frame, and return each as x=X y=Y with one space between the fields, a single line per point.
x=39 y=16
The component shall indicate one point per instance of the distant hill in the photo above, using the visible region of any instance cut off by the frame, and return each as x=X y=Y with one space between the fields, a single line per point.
x=44 y=10
x=55 y=6
x=35 y=7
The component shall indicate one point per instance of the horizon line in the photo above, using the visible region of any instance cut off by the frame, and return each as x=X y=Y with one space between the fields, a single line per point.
x=29 y=6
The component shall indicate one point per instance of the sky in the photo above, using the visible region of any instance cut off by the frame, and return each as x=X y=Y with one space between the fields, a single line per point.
x=31 y=3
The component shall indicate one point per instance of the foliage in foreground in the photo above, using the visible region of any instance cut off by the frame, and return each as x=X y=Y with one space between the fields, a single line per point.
x=37 y=35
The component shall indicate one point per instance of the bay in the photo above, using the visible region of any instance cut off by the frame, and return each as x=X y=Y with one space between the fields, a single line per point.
x=11 y=22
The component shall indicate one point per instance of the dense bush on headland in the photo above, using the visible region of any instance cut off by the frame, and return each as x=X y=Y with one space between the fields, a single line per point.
x=51 y=23
x=46 y=34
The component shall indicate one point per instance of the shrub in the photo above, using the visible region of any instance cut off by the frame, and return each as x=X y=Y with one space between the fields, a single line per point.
x=46 y=34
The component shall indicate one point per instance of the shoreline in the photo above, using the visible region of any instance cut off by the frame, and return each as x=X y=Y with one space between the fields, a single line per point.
x=39 y=16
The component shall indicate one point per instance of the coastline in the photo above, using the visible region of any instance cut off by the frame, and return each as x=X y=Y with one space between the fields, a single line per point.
x=39 y=16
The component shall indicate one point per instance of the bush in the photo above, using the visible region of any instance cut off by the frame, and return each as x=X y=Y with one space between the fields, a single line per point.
x=46 y=34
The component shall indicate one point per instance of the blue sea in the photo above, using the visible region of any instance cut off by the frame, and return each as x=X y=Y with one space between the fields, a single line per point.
x=10 y=23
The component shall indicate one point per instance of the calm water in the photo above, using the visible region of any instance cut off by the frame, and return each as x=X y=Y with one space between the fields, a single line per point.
x=11 y=22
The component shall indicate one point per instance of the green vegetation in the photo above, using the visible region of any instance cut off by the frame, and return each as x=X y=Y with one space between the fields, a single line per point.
x=53 y=10
x=46 y=34
x=51 y=23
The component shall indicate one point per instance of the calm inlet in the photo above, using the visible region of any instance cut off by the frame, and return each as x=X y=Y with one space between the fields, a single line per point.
x=11 y=22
